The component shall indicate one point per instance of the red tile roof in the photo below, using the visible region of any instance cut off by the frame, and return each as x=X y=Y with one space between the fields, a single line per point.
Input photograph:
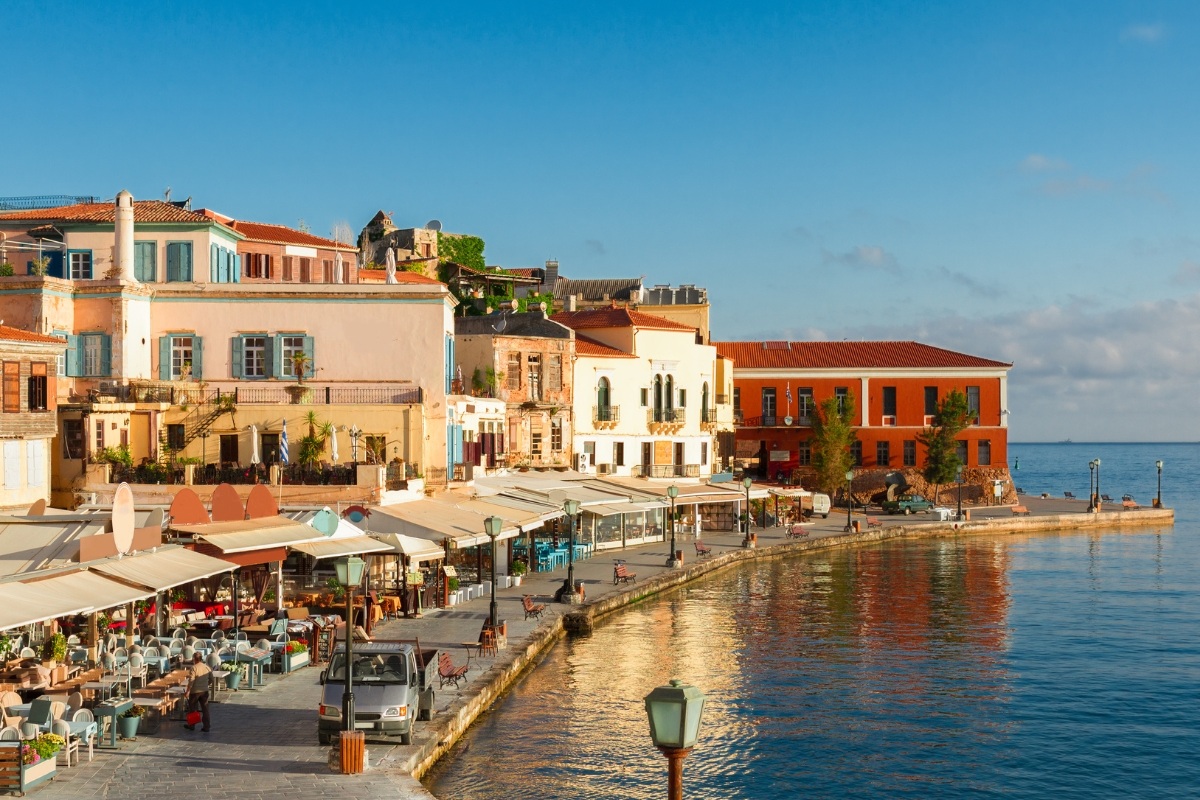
x=590 y=347
x=143 y=211
x=281 y=234
x=379 y=276
x=621 y=317
x=527 y=272
x=18 y=335
x=853 y=355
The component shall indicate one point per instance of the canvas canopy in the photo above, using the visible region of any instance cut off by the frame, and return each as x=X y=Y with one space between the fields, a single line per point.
x=164 y=568
x=27 y=602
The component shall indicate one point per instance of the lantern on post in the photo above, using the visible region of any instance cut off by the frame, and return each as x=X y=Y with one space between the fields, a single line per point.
x=675 y=712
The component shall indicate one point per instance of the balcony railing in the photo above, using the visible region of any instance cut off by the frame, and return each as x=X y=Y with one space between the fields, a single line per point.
x=708 y=415
x=661 y=416
x=771 y=421
x=665 y=470
x=606 y=415
x=175 y=393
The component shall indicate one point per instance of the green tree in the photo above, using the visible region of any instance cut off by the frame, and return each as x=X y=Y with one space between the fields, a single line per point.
x=832 y=436
x=940 y=440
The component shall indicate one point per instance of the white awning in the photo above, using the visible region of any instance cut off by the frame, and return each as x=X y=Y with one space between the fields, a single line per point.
x=610 y=509
x=438 y=520
x=164 y=568
x=60 y=596
x=251 y=534
x=417 y=550
x=341 y=546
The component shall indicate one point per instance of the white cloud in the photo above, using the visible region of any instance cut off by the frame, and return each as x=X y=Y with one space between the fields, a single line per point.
x=1036 y=162
x=864 y=257
x=1144 y=33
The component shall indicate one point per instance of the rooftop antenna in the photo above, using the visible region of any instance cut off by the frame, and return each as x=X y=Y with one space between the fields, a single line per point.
x=434 y=225
x=167 y=195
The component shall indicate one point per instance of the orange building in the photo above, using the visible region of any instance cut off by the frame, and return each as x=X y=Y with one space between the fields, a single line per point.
x=896 y=386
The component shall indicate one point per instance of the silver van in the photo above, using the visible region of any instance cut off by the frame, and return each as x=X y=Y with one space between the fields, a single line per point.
x=391 y=689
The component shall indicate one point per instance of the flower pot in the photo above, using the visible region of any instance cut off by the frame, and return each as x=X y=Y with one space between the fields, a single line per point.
x=34 y=774
x=233 y=680
x=516 y=580
x=300 y=393
x=128 y=727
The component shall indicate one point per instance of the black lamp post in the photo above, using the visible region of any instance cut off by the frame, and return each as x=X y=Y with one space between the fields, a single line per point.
x=349 y=575
x=747 y=483
x=492 y=526
x=1092 y=485
x=849 y=497
x=675 y=713
x=1097 y=484
x=958 y=473
x=672 y=492
x=571 y=509
x=1158 y=498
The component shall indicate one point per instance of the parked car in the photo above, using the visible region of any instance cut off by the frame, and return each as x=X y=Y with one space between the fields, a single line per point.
x=393 y=687
x=907 y=504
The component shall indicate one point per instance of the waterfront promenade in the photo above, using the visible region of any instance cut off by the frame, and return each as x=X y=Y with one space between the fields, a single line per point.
x=264 y=741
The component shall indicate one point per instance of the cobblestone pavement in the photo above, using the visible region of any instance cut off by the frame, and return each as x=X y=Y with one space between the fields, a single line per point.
x=263 y=742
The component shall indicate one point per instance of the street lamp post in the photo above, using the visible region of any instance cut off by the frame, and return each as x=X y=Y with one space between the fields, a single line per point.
x=958 y=475
x=849 y=498
x=492 y=526
x=1158 y=498
x=746 y=542
x=1092 y=485
x=675 y=713
x=672 y=492
x=349 y=575
x=1097 y=484
x=571 y=509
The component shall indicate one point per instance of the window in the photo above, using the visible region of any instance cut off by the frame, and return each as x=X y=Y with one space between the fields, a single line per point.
x=856 y=453
x=72 y=438
x=703 y=453
x=35 y=462
x=38 y=399
x=589 y=450
x=79 y=262
x=647 y=454
x=88 y=355
x=270 y=448
x=305 y=270
x=554 y=372
x=327 y=270
x=960 y=449
x=930 y=400
x=619 y=454
x=288 y=267
x=768 y=405
x=603 y=401
x=179 y=261
x=99 y=433
x=176 y=436
x=841 y=393
x=683 y=398
x=910 y=453
x=556 y=439
x=883 y=454
x=985 y=452
x=805 y=456
x=256 y=265
x=973 y=404
x=535 y=442
x=805 y=406
x=889 y=401
x=289 y=346
x=12 y=386
x=737 y=400
x=145 y=261
x=645 y=397
x=255 y=356
x=229 y=448
x=535 y=376
x=12 y=465
x=223 y=265
x=61 y=362
x=514 y=371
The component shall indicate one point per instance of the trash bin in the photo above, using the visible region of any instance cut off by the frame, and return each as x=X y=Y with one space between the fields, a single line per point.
x=679 y=557
x=857 y=526
x=966 y=515
x=353 y=743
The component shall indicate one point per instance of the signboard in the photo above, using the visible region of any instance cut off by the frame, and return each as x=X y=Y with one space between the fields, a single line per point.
x=451 y=572
x=780 y=455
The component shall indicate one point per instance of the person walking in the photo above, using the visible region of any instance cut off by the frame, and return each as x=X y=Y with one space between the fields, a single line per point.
x=198 y=689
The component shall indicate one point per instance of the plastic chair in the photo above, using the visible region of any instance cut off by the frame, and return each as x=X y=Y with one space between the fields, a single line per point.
x=179 y=633
x=8 y=699
x=74 y=703
x=218 y=634
x=137 y=670
x=186 y=653
x=242 y=645
x=10 y=734
x=71 y=747
x=85 y=715
x=72 y=640
x=28 y=652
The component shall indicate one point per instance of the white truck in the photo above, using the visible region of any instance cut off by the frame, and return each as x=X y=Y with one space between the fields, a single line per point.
x=392 y=686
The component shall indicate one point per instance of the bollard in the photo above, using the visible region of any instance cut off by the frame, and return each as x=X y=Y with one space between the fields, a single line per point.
x=857 y=526
x=352 y=743
x=966 y=515
x=679 y=557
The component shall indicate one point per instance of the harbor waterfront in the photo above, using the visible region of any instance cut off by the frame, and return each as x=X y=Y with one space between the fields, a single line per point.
x=1029 y=665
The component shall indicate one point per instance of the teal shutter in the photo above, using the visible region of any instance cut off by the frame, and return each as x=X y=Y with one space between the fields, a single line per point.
x=311 y=353
x=277 y=356
x=237 y=268
x=236 y=361
x=164 y=349
x=268 y=354
x=144 y=256
x=174 y=257
x=105 y=354
x=214 y=268
x=197 y=358
x=74 y=356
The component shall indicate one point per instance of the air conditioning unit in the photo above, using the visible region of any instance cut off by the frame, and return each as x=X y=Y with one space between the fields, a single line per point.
x=889 y=420
x=604 y=469
x=581 y=461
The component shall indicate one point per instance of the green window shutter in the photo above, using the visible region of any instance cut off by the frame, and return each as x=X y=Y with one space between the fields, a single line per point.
x=105 y=354
x=164 y=353
x=144 y=256
x=312 y=359
x=197 y=358
x=277 y=356
x=173 y=258
x=237 y=268
x=214 y=269
x=74 y=356
x=236 y=362
x=269 y=353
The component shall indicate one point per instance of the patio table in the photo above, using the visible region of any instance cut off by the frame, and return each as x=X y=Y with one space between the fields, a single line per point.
x=109 y=710
x=103 y=686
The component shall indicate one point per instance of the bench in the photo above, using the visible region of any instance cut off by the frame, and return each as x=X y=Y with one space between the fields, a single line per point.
x=447 y=672
x=1069 y=495
x=702 y=550
x=1106 y=498
x=796 y=531
x=621 y=574
x=1020 y=511
x=873 y=522
x=532 y=609
x=1128 y=505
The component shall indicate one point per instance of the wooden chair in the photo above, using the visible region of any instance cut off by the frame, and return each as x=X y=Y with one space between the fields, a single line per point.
x=487 y=641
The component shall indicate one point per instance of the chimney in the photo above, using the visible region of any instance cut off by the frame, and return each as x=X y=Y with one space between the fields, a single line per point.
x=569 y=303
x=123 y=237
x=551 y=273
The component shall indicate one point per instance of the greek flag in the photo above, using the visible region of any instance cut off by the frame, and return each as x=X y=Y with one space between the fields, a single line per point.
x=789 y=391
x=283 y=448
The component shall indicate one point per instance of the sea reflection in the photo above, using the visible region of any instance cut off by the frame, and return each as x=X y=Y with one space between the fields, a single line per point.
x=884 y=666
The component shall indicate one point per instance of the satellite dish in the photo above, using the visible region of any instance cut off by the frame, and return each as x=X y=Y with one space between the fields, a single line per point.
x=325 y=521
x=122 y=518
x=433 y=225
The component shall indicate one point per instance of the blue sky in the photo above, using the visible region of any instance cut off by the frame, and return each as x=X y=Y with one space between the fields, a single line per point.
x=1017 y=180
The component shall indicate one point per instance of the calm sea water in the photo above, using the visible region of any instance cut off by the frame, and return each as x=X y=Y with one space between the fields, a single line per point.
x=1051 y=666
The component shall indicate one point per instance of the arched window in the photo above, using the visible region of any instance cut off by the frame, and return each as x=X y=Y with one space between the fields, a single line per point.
x=670 y=393
x=658 y=397
x=704 y=412
x=603 y=401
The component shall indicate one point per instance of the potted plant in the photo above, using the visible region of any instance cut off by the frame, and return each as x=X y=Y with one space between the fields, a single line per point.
x=54 y=649
x=301 y=363
x=235 y=670
x=127 y=723
x=38 y=762
x=515 y=571
x=295 y=655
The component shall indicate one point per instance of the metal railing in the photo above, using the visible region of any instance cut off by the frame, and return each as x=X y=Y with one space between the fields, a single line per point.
x=665 y=470
x=656 y=416
x=708 y=415
x=771 y=421
x=328 y=395
x=606 y=414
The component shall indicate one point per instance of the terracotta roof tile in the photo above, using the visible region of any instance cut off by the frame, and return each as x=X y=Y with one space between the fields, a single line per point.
x=281 y=234
x=590 y=347
x=143 y=211
x=379 y=276
x=616 y=318
x=18 y=335
x=835 y=355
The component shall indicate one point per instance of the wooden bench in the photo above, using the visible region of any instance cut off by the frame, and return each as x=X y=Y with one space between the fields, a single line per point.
x=1129 y=505
x=1020 y=511
x=621 y=574
x=532 y=609
x=1069 y=495
x=796 y=531
x=447 y=672
x=702 y=550
x=873 y=522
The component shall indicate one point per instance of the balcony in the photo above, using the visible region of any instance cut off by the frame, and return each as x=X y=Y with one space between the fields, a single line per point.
x=708 y=418
x=177 y=392
x=773 y=421
x=665 y=470
x=605 y=416
x=663 y=420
